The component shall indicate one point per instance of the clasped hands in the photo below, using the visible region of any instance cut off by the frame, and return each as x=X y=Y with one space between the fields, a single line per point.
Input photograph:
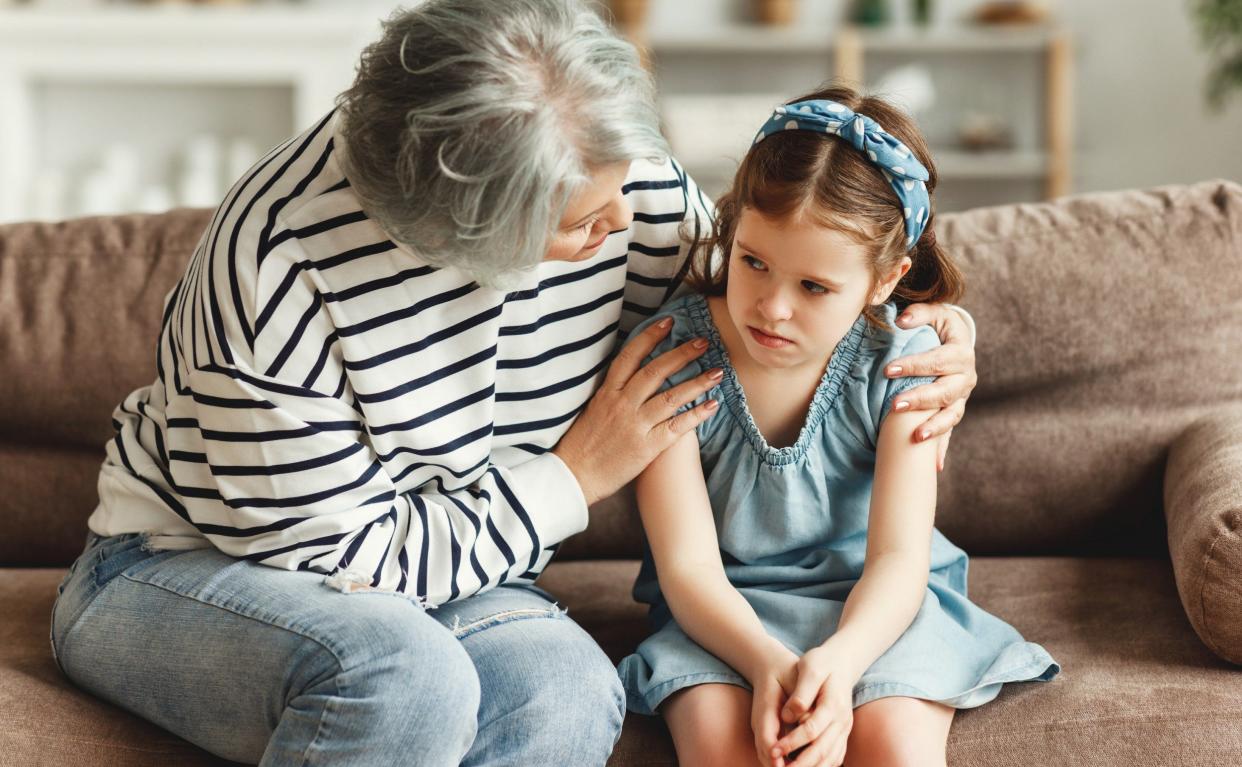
x=802 y=703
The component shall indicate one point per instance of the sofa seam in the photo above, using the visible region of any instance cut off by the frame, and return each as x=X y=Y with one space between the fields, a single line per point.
x=1208 y=558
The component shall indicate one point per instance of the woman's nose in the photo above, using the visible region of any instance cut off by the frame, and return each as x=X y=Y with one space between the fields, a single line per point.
x=619 y=214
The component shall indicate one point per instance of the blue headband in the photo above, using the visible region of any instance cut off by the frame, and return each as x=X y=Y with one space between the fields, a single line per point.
x=903 y=170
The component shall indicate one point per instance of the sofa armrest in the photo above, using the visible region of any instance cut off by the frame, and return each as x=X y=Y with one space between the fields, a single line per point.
x=1203 y=508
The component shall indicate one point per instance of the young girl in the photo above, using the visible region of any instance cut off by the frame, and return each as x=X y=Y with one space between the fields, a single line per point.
x=805 y=608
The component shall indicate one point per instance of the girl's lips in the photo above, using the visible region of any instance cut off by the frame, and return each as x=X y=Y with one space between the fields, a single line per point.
x=770 y=341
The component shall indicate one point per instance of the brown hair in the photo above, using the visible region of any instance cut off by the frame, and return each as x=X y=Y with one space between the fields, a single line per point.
x=799 y=171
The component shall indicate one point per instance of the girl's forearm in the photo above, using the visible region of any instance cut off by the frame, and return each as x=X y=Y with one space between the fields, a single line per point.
x=715 y=615
x=880 y=607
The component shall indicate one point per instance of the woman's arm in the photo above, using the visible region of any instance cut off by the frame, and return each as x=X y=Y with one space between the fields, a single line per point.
x=677 y=517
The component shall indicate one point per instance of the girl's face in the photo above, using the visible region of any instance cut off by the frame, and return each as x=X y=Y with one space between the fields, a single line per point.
x=795 y=288
x=597 y=209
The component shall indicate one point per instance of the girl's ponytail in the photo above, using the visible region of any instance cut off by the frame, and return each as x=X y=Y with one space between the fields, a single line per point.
x=933 y=277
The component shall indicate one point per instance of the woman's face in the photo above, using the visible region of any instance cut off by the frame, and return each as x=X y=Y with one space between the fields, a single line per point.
x=596 y=210
x=795 y=288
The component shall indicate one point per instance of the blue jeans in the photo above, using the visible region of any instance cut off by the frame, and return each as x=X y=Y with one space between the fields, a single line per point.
x=267 y=666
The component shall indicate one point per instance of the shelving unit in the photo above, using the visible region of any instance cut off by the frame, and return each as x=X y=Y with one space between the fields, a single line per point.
x=255 y=71
x=758 y=66
x=1055 y=162
x=71 y=82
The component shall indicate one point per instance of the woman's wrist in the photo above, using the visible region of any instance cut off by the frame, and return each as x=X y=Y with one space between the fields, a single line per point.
x=584 y=483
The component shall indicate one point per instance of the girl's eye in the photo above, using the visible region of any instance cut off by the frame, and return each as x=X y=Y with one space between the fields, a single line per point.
x=814 y=288
x=754 y=263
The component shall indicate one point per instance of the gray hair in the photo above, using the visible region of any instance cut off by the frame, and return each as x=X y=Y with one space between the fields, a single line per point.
x=471 y=123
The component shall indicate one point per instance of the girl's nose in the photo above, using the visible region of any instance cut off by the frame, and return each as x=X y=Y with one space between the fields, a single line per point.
x=773 y=307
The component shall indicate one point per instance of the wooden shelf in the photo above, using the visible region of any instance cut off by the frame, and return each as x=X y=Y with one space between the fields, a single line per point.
x=959 y=39
x=853 y=44
x=741 y=38
x=951 y=164
x=848 y=46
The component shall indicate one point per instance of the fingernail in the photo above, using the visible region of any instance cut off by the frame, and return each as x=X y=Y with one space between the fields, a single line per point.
x=665 y=323
x=901 y=405
x=716 y=374
x=700 y=343
x=904 y=318
x=924 y=434
x=712 y=404
x=894 y=370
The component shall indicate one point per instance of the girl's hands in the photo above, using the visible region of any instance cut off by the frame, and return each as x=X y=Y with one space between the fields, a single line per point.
x=822 y=708
x=771 y=686
x=627 y=424
x=953 y=365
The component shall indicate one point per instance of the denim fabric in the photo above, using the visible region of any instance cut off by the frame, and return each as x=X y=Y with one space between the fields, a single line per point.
x=268 y=666
x=792 y=525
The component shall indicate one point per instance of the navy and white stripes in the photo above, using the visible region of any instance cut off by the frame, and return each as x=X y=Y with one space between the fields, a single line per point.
x=326 y=401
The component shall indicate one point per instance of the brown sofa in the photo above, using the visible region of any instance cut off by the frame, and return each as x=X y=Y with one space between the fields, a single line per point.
x=1109 y=402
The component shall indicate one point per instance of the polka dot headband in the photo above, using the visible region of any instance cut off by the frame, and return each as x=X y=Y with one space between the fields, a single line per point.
x=904 y=172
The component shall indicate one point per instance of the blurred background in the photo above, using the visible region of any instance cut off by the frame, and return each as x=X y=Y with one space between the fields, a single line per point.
x=111 y=106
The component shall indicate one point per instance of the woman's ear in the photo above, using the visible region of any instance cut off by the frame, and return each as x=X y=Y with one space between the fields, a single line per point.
x=885 y=288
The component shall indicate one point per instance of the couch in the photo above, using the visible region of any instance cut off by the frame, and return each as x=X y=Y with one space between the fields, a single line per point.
x=1096 y=480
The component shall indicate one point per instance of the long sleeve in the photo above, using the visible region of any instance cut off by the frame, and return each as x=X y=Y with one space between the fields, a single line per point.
x=285 y=476
x=327 y=400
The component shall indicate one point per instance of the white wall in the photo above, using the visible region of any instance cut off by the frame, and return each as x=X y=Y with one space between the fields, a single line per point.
x=1142 y=116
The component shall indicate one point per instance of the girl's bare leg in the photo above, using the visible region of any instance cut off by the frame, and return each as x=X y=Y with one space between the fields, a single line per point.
x=897 y=732
x=710 y=724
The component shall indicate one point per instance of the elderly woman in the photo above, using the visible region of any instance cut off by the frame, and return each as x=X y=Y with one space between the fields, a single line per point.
x=388 y=389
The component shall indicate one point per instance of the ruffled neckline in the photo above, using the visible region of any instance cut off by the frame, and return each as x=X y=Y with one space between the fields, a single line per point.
x=826 y=391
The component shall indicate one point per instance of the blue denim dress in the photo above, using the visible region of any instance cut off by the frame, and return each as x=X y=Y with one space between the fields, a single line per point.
x=792 y=526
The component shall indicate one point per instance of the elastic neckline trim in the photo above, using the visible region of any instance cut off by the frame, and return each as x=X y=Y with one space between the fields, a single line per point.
x=826 y=392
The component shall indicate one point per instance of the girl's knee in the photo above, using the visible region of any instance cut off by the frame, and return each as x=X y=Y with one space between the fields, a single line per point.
x=703 y=750
x=710 y=725
x=899 y=732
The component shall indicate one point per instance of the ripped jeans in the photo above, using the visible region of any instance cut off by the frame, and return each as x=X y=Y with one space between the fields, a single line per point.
x=266 y=666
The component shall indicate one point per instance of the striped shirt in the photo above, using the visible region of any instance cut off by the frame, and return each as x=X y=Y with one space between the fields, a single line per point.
x=327 y=401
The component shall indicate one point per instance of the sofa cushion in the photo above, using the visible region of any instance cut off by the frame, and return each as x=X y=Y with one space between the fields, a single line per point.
x=1203 y=506
x=1136 y=687
x=49 y=492
x=80 y=309
x=1104 y=324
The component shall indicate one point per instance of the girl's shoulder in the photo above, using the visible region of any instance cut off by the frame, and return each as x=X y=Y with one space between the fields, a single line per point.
x=870 y=391
x=687 y=312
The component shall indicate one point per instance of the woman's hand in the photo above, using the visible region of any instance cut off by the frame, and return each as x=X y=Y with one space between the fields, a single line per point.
x=626 y=424
x=771 y=685
x=821 y=711
x=953 y=365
